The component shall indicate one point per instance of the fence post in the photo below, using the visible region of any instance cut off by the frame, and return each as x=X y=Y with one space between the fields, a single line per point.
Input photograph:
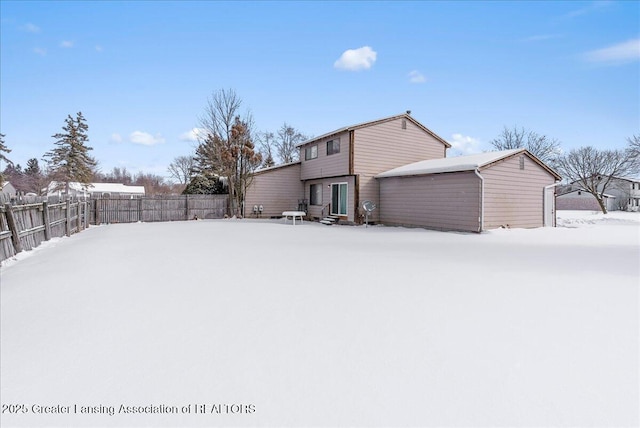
x=86 y=214
x=15 y=233
x=186 y=202
x=97 y=201
x=45 y=220
x=68 y=214
x=79 y=221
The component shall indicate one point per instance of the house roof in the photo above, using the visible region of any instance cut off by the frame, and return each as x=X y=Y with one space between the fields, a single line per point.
x=604 y=195
x=459 y=163
x=271 y=168
x=102 y=187
x=376 y=122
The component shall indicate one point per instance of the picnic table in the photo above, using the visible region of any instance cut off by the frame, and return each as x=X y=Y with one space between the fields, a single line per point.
x=293 y=215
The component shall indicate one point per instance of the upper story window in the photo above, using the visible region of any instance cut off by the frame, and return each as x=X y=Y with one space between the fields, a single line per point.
x=311 y=152
x=333 y=146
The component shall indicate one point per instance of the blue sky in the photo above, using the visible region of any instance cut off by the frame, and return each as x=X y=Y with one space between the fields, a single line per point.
x=141 y=72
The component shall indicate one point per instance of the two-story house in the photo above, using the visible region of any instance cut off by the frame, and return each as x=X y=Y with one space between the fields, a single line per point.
x=337 y=170
x=623 y=193
x=395 y=163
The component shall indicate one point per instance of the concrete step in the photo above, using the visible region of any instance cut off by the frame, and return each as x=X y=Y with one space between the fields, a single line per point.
x=329 y=220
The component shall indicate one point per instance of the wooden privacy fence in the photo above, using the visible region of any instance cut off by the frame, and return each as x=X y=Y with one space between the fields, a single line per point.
x=24 y=227
x=157 y=208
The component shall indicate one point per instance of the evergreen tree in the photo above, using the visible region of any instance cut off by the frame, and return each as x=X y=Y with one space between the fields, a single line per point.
x=3 y=150
x=70 y=160
x=34 y=179
x=204 y=185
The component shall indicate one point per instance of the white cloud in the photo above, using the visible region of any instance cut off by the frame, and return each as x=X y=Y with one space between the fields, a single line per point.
x=31 y=28
x=416 y=77
x=40 y=51
x=146 y=139
x=191 y=135
x=620 y=53
x=116 y=138
x=66 y=44
x=356 y=59
x=464 y=145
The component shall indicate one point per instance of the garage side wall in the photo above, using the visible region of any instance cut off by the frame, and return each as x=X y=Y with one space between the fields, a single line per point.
x=388 y=145
x=513 y=197
x=276 y=189
x=437 y=201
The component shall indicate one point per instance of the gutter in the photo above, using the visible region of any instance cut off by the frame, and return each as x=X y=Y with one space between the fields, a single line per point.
x=544 y=203
x=481 y=219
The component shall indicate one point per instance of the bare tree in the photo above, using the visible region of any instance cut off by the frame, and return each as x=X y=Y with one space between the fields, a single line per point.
x=286 y=144
x=247 y=159
x=227 y=150
x=634 y=150
x=117 y=175
x=544 y=148
x=594 y=170
x=181 y=169
x=153 y=184
x=266 y=140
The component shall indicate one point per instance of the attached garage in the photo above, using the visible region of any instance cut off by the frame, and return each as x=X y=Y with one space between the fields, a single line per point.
x=510 y=188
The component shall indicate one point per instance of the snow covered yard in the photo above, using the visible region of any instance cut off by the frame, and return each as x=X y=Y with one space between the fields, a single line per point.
x=325 y=326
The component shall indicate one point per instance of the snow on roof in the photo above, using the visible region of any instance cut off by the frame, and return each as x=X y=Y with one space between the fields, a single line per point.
x=454 y=164
x=269 y=168
x=102 y=187
x=115 y=188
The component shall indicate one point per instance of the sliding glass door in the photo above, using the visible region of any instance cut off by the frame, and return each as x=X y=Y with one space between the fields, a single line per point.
x=339 y=198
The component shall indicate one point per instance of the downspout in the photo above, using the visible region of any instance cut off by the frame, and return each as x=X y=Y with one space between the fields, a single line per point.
x=544 y=203
x=477 y=172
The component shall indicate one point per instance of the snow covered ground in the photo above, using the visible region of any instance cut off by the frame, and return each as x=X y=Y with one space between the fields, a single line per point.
x=275 y=325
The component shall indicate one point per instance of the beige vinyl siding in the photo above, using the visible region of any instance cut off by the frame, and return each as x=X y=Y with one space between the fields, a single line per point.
x=438 y=201
x=276 y=189
x=582 y=201
x=385 y=146
x=315 y=211
x=326 y=166
x=513 y=197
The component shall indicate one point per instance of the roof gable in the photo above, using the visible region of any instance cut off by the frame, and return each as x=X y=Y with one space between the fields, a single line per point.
x=376 y=122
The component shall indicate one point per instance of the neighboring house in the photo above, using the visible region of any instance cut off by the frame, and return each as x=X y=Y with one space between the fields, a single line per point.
x=8 y=190
x=96 y=190
x=509 y=188
x=401 y=166
x=579 y=199
x=623 y=193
